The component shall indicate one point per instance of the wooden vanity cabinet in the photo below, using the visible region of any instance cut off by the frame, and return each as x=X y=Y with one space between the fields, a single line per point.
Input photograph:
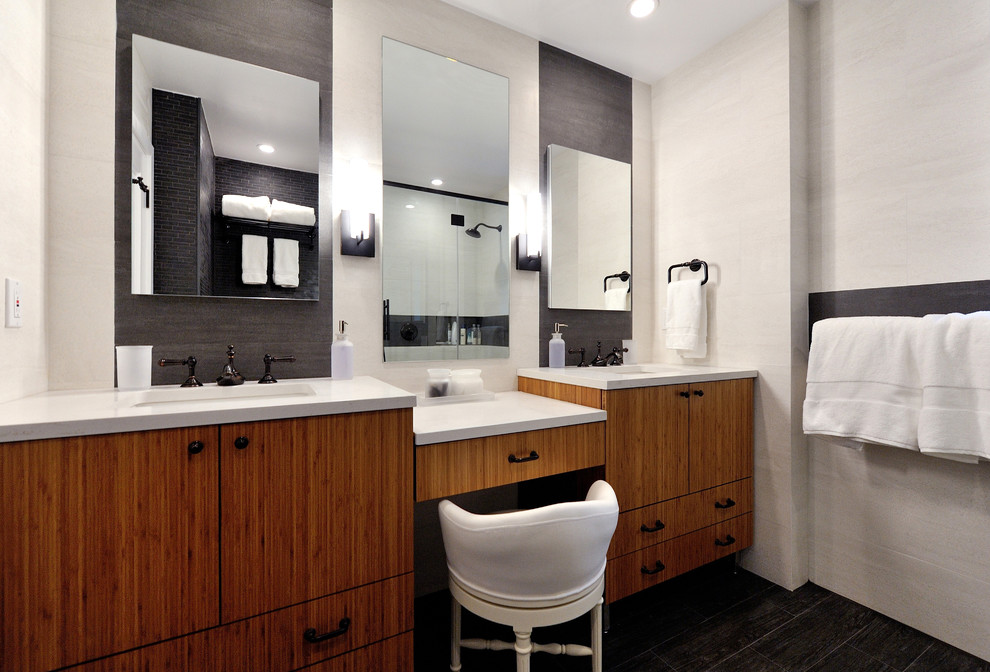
x=214 y=555
x=680 y=458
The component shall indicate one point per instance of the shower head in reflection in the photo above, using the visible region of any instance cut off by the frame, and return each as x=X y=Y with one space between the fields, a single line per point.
x=475 y=233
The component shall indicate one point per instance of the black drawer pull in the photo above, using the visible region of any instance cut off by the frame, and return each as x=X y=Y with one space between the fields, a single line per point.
x=684 y=394
x=241 y=442
x=659 y=567
x=699 y=393
x=313 y=638
x=729 y=540
x=659 y=526
x=729 y=503
x=196 y=447
x=533 y=455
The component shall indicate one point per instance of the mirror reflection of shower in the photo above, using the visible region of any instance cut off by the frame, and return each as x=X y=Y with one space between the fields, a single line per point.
x=474 y=233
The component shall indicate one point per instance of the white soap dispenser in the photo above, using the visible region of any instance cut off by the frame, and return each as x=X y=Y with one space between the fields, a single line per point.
x=342 y=356
x=557 y=347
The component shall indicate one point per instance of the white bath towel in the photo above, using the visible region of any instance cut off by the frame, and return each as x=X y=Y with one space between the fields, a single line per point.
x=615 y=298
x=254 y=260
x=290 y=213
x=685 y=311
x=248 y=207
x=955 y=375
x=285 y=262
x=864 y=383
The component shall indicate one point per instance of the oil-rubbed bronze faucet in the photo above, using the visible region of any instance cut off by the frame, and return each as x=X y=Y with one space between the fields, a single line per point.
x=574 y=351
x=268 y=377
x=229 y=375
x=189 y=361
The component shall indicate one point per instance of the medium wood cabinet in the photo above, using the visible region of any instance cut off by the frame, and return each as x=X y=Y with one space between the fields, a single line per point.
x=680 y=458
x=208 y=548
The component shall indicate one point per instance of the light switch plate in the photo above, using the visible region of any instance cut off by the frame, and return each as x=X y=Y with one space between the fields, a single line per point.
x=12 y=304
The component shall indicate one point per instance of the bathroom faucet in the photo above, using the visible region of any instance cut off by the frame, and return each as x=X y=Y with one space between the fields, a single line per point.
x=614 y=358
x=190 y=361
x=229 y=375
x=598 y=360
x=578 y=350
x=268 y=377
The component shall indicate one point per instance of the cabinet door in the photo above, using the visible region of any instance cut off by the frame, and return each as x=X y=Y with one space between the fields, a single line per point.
x=312 y=506
x=646 y=453
x=108 y=542
x=721 y=432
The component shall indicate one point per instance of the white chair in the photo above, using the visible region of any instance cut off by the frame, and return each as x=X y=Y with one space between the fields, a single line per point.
x=530 y=569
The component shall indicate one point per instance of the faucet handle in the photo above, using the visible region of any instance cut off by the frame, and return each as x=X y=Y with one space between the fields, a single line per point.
x=268 y=377
x=573 y=351
x=189 y=361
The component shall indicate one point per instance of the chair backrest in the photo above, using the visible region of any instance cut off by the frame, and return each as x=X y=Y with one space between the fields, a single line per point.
x=542 y=555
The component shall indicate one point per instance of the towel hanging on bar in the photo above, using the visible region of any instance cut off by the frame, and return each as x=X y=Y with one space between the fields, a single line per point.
x=695 y=265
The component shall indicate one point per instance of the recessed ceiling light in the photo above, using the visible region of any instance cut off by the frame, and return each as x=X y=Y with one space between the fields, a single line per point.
x=642 y=8
x=436 y=182
x=267 y=149
x=410 y=206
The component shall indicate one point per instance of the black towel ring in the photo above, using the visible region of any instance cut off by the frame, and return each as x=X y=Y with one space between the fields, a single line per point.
x=623 y=276
x=695 y=265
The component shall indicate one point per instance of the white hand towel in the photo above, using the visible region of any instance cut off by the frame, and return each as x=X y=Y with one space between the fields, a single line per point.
x=290 y=213
x=285 y=262
x=247 y=207
x=864 y=383
x=687 y=319
x=615 y=298
x=955 y=376
x=254 y=260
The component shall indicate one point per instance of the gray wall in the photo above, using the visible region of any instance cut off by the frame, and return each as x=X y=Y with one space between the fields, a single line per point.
x=293 y=36
x=588 y=107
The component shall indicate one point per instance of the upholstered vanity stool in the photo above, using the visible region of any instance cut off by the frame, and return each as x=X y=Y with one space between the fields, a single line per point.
x=530 y=569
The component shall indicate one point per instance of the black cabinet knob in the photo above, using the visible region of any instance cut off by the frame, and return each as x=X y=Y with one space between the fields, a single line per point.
x=699 y=393
x=241 y=442
x=685 y=394
x=195 y=447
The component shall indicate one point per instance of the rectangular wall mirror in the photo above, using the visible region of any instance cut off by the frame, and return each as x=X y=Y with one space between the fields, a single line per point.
x=224 y=177
x=589 y=219
x=445 y=225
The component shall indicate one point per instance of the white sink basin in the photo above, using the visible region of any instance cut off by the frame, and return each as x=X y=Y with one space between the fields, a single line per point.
x=215 y=393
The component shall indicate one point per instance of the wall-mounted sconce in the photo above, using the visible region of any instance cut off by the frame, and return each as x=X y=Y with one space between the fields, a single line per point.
x=357 y=221
x=529 y=244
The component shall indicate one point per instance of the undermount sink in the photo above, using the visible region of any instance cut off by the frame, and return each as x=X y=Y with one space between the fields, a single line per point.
x=215 y=393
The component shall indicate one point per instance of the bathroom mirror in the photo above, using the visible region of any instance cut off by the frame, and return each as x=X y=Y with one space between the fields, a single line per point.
x=589 y=231
x=225 y=177
x=445 y=225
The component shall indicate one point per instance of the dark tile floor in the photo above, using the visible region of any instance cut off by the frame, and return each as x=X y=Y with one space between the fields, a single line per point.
x=713 y=619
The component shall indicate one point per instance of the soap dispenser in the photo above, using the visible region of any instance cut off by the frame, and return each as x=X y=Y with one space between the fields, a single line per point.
x=342 y=356
x=557 y=347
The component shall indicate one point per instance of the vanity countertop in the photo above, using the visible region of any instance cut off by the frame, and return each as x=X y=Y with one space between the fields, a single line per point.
x=84 y=412
x=634 y=375
x=508 y=413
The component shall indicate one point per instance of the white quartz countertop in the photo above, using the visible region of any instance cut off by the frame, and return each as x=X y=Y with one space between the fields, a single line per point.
x=78 y=413
x=508 y=413
x=635 y=375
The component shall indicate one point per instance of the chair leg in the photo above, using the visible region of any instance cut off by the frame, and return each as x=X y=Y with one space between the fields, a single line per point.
x=524 y=646
x=455 y=635
x=596 y=637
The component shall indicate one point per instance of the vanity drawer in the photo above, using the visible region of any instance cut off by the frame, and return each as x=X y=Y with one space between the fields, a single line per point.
x=650 y=525
x=642 y=569
x=444 y=469
x=275 y=641
x=393 y=654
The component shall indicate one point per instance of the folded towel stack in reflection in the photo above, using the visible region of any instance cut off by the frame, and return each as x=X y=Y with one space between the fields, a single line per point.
x=285 y=262
x=247 y=207
x=290 y=213
x=254 y=260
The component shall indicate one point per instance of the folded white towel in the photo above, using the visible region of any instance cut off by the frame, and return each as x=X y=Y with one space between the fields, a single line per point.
x=687 y=315
x=864 y=383
x=285 y=262
x=254 y=260
x=248 y=207
x=615 y=298
x=290 y=213
x=955 y=375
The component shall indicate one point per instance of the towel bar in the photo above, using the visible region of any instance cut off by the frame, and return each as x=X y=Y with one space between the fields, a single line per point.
x=695 y=265
x=623 y=276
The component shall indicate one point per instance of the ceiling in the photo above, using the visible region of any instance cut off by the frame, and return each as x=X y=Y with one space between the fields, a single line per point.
x=603 y=31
